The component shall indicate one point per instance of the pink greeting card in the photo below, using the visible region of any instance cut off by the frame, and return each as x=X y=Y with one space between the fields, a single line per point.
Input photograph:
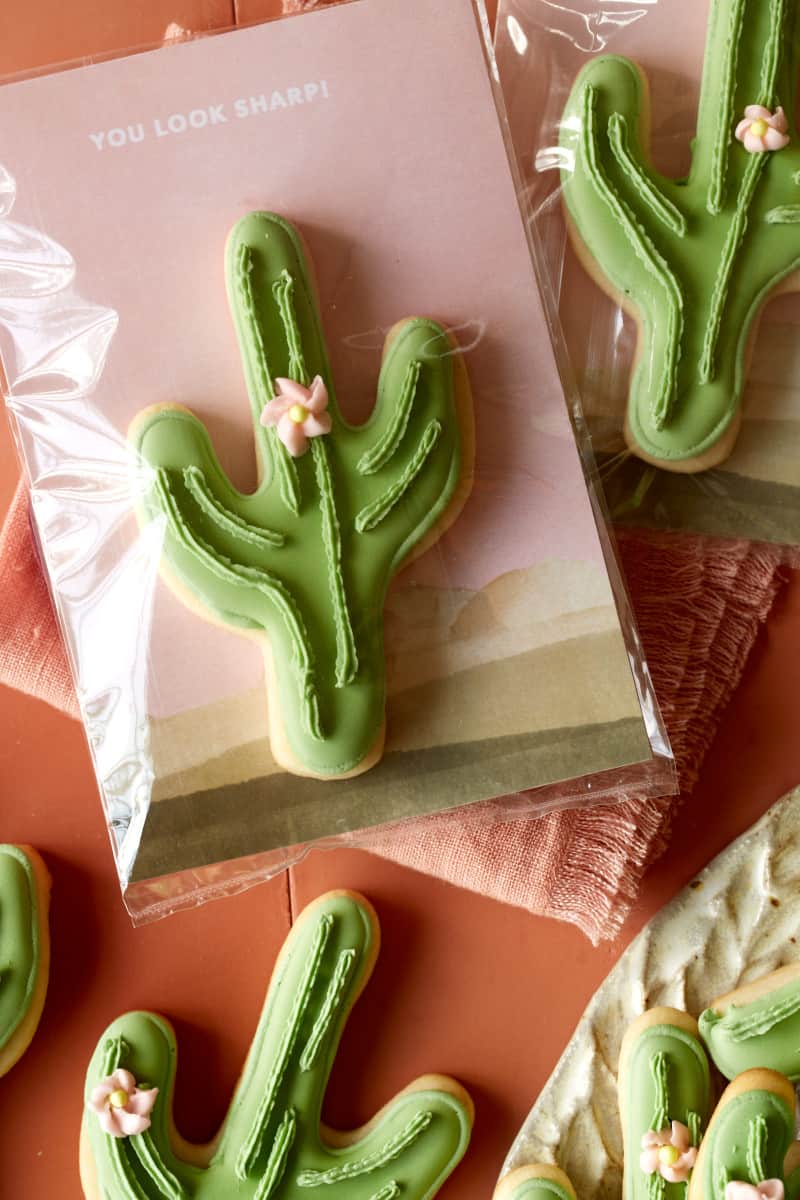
x=373 y=128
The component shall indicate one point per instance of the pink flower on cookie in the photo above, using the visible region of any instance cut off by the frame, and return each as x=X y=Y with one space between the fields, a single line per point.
x=121 y=1106
x=768 y=1189
x=670 y=1153
x=299 y=413
x=762 y=130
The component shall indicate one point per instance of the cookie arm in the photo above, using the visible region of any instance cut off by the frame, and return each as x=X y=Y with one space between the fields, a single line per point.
x=407 y=1149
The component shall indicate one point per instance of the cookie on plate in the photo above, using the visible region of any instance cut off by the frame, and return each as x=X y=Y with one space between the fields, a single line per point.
x=757 y=1025
x=540 y=1181
x=742 y=1154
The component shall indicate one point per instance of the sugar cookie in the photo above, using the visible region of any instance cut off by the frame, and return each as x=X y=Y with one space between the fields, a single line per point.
x=664 y=1102
x=303 y=564
x=271 y=1145
x=742 y=1154
x=692 y=260
x=24 y=949
x=539 y=1181
x=757 y=1025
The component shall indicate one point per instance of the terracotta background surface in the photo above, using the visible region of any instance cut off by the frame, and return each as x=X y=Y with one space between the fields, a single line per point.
x=463 y=985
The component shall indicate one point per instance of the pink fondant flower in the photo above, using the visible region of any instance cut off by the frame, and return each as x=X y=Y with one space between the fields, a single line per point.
x=768 y=1189
x=763 y=130
x=122 y=1107
x=670 y=1152
x=299 y=413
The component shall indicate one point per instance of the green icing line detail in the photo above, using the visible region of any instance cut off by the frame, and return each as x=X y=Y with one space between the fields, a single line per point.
x=278 y=1156
x=20 y=949
x=660 y=1069
x=393 y=1148
x=387 y=446
x=266 y=583
x=727 y=95
x=762 y=1033
x=287 y=472
x=168 y=1185
x=390 y=1192
x=346 y=653
x=328 y=712
x=198 y=487
x=772 y=54
x=372 y=515
x=330 y=1007
x=666 y=212
x=284 y=295
x=757 y=1144
x=115 y=1053
x=752 y=1021
x=125 y=1177
x=410 y=1148
x=722 y=283
x=254 y=1143
x=722 y=1178
x=656 y=1187
x=687 y=383
x=663 y=388
x=785 y=214
x=752 y=178
x=695 y=1126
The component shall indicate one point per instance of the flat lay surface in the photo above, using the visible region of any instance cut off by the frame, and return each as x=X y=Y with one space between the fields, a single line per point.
x=464 y=986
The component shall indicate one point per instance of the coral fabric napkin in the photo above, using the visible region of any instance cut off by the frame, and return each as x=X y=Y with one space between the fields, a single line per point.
x=699 y=605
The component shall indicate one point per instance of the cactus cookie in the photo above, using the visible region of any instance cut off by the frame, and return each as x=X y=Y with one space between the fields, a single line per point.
x=742 y=1155
x=537 y=1182
x=692 y=260
x=302 y=565
x=271 y=1145
x=758 y=1025
x=24 y=949
x=664 y=1103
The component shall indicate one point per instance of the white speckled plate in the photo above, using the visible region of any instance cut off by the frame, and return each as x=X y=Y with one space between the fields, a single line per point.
x=736 y=921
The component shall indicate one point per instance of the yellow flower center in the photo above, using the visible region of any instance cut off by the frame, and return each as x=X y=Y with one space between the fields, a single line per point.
x=759 y=128
x=668 y=1156
x=118 y=1099
x=298 y=414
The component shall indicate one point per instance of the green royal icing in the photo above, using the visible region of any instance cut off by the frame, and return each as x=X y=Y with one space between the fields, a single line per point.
x=747 y=1142
x=539 y=1189
x=793 y=1184
x=764 y=1033
x=666 y=1079
x=270 y=1147
x=307 y=558
x=696 y=257
x=20 y=949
